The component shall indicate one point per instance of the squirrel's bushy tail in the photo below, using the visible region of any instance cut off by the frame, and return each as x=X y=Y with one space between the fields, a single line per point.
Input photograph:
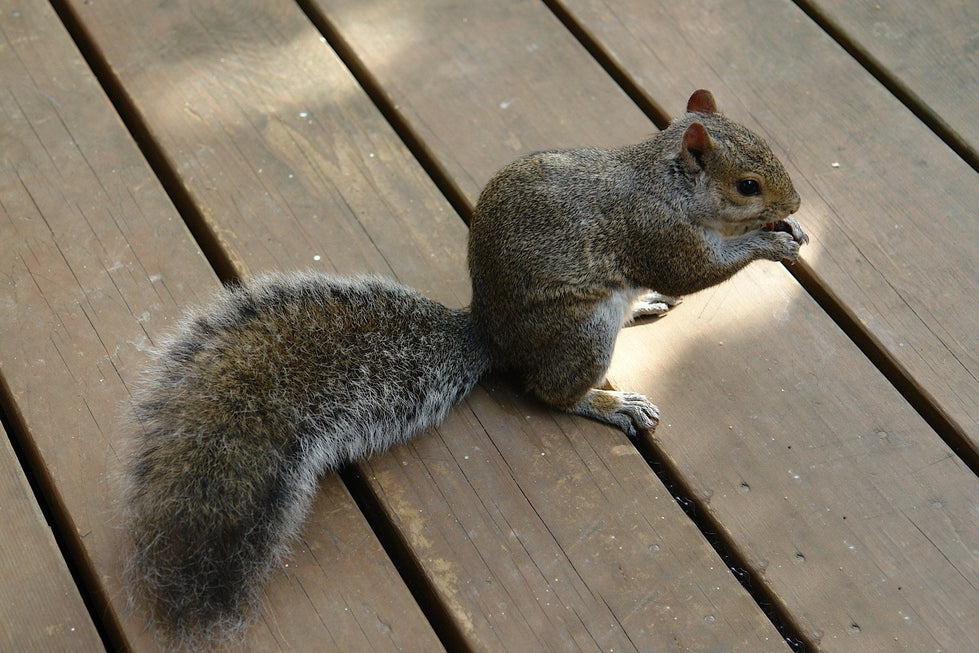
x=253 y=398
x=201 y=541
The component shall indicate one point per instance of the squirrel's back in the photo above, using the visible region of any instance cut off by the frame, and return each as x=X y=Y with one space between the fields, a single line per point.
x=254 y=397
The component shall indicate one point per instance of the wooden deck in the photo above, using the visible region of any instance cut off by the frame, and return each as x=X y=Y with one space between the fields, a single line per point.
x=813 y=483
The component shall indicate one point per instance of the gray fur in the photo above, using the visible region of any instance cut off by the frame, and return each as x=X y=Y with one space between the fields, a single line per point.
x=254 y=397
x=291 y=375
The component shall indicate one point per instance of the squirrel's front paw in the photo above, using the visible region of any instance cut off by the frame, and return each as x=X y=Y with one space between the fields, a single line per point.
x=782 y=246
x=782 y=230
x=789 y=226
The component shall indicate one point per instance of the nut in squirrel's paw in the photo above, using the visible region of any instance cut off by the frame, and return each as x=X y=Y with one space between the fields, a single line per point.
x=789 y=226
x=798 y=237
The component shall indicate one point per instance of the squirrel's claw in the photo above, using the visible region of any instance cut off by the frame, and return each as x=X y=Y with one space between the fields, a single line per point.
x=641 y=412
x=630 y=411
x=798 y=234
x=791 y=227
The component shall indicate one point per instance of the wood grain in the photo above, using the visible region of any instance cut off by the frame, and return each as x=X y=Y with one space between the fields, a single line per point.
x=42 y=609
x=551 y=533
x=279 y=187
x=929 y=53
x=474 y=80
x=97 y=265
x=840 y=497
x=891 y=210
x=766 y=298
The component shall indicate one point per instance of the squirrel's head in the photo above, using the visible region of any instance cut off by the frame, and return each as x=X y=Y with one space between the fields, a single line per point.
x=741 y=182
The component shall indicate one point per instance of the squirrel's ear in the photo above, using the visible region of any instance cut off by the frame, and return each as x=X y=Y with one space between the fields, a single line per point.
x=702 y=101
x=696 y=143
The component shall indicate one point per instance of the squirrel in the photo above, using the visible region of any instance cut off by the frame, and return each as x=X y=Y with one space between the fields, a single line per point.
x=565 y=246
x=291 y=375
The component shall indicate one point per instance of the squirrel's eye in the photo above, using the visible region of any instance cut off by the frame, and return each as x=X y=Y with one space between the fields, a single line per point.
x=748 y=187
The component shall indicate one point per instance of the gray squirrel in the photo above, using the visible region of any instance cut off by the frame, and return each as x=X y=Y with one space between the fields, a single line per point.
x=291 y=375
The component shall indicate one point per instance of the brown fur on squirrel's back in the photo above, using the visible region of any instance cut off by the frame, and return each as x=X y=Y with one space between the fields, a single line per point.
x=252 y=399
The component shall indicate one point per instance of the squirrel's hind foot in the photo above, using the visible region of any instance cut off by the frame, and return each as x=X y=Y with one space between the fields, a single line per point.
x=653 y=304
x=630 y=411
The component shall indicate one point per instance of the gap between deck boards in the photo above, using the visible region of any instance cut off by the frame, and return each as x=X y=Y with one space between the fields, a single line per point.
x=939 y=420
x=56 y=516
x=206 y=239
x=894 y=86
x=224 y=266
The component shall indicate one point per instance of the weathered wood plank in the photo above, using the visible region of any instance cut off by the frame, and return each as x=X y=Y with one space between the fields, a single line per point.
x=560 y=536
x=42 y=609
x=891 y=210
x=930 y=51
x=96 y=265
x=904 y=545
x=474 y=73
x=287 y=159
x=451 y=72
x=840 y=497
